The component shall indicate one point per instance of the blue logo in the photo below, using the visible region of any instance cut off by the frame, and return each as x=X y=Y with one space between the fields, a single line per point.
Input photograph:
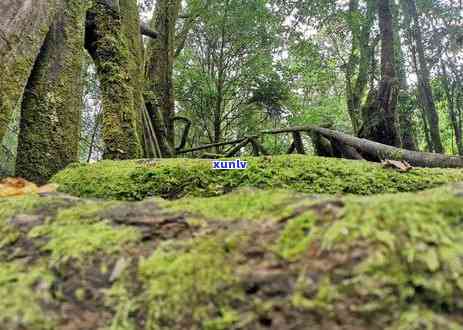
x=229 y=165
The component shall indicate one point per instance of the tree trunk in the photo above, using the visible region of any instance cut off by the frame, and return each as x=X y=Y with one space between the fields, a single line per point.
x=113 y=40
x=451 y=108
x=160 y=63
x=381 y=122
x=50 y=113
x=23 y=27
x=422 y=71
x=405 y=104
x=359 y=60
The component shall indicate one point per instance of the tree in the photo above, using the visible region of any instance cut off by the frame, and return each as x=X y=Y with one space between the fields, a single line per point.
x=422 y=72
x=380 y=115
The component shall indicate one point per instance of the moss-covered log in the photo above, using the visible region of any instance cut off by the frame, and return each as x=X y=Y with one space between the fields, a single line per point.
x=133 y=180
x=50 y=113
x=248 y=260
x=23 y=27
x=114 y=41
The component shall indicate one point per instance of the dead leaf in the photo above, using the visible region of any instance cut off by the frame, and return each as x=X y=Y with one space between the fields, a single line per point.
x=19 y=186
x=400 y=165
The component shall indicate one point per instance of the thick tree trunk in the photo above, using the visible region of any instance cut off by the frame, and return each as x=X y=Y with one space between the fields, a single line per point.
x=381 y=122
x=113 y=40
x=422 y=71
x=160 y=62
x=50 y=114
x=23 y=27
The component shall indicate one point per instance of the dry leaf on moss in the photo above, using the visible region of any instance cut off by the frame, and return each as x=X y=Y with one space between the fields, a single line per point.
x=18 y=186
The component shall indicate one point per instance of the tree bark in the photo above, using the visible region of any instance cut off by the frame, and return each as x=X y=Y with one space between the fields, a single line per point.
x=160 y=63
x=381 y=122
x=24 y=25
x=359 y=60
x=422 y=71
x=113 y=40
x=406 y=107
x=50 y=113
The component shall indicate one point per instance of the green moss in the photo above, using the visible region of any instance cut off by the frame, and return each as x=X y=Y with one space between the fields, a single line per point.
x=8 y=208
x=247 y=204
x=23 y=289
x=294 y=239
x=190 y=283
x=413 y=248
x=420 y=318
x=174 y=178
x=74 y=240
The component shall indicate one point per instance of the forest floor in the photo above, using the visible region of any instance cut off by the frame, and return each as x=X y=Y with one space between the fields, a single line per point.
x=292 y=242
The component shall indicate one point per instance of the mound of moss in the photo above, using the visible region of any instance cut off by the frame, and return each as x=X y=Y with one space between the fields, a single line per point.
x=174 y=178
x=251 y=259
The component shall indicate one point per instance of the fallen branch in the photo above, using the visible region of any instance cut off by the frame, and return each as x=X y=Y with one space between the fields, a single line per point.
x=378 y=150
x=207 y=146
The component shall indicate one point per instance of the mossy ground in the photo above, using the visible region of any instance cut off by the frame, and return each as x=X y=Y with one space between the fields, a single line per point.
x=135 y=180
x=250 y=259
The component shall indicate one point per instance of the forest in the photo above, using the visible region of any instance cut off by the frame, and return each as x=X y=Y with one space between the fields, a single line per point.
x=231 y=164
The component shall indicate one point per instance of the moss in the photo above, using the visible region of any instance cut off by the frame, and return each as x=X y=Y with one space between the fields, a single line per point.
x=412 y=245
x=23 y=289
x=247 y=204
x=295 y=238
x=134 y=180
x=187 y=281
x=8 y=208
x=73 y=240
x=392 y=261
x=418 y=318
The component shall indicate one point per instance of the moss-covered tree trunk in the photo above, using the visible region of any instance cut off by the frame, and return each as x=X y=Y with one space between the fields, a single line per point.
x=23 y=27
x=50 y=113
x=160 y=62
x=113 y=40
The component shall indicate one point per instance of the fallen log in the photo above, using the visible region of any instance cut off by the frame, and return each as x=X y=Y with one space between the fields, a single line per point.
x=378 y=150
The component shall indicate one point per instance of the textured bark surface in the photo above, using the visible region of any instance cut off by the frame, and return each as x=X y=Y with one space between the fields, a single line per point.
x=422 y=71
x=160 y=62
x=380 y=114
x=23 y=27
x=50 y=113
x=113 y=40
